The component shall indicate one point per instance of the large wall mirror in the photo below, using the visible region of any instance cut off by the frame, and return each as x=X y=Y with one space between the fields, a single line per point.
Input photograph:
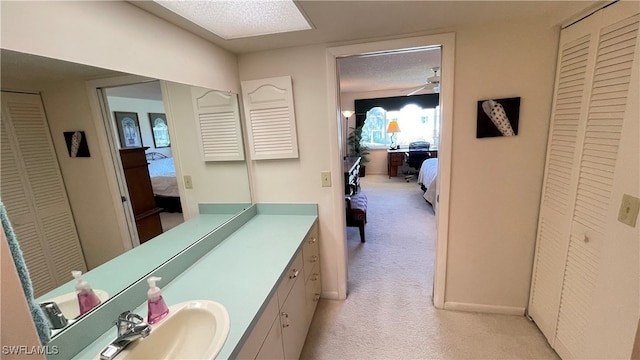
x=97 y=122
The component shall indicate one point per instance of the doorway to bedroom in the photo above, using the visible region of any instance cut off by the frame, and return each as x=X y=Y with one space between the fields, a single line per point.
x=388 y=205
x=139 y=136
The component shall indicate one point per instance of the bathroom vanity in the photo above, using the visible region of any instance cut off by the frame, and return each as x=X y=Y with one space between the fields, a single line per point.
x=262 y=266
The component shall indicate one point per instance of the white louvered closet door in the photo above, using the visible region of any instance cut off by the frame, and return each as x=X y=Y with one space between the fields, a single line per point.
x=33 y=193
x=560 y=179
x=596 y=58
x=614 y=60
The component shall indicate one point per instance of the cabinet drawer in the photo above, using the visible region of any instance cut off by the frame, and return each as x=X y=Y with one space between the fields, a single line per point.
x=311 y=252
x=397 y=159
x=313 y=289
x=291 y=275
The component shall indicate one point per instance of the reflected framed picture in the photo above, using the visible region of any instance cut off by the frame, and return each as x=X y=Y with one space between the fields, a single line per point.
x=128 y=129
x=159 y=130
x=76 y=144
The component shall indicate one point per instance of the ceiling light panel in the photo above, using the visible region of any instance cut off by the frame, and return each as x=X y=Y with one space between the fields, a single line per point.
x=232 y=19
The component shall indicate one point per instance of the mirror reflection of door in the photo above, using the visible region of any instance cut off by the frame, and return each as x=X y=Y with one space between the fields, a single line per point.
x=148 y=167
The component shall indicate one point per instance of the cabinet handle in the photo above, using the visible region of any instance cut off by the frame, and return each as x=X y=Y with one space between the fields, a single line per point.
x=585 y=238
x=295 y=274
x=312 y=240
x=313 y=259
x=315 y=298
x=286 y=319
x=315 y=276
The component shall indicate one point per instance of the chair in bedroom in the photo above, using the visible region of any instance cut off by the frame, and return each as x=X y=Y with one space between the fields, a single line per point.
x=417 y=154
x=356 y=211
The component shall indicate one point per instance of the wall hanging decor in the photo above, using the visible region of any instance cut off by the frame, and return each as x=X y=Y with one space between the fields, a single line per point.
x=77 y=144
x=159 y=130
x=128 y=129
x=498 y=117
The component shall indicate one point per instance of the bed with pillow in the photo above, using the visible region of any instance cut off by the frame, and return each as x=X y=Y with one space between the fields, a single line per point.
x=164 y=182
x=427 y=179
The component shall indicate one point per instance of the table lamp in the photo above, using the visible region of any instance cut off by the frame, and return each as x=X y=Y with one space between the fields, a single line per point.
x=393 y=129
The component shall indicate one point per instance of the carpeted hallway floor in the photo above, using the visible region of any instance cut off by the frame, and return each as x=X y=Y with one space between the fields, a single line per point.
x=389 y=313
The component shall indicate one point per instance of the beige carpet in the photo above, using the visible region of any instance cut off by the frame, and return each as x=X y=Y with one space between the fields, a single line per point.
x=389 y=312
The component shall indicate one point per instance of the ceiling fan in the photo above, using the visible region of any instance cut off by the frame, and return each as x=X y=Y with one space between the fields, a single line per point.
x=433 y=82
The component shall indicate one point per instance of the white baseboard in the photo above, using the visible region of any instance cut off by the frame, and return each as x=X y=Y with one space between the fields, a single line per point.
x=331 y=295
x=492 y=309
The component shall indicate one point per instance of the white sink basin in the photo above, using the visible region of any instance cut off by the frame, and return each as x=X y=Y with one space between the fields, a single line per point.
x=68 y=303
x=194 y=329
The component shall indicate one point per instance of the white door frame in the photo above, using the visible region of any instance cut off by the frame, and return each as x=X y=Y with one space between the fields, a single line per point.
x=447 y=41
x=111 y=158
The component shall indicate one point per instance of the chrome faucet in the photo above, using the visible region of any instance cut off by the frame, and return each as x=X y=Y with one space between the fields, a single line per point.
x=130 y=327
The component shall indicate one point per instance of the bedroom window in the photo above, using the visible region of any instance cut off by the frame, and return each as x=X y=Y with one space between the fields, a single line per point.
x=416 y=124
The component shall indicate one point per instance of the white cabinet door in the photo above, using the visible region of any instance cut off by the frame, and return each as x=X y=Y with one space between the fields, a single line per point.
x=313 y=288
x=260 y=331
x=294 y=321
x=272 y=347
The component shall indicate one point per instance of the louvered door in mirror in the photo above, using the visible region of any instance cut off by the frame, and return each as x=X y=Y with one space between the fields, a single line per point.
x=34 y=195
x=219 y=129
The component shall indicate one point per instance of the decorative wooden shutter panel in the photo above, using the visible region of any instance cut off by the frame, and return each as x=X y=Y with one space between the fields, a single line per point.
x=34 y=195
x=219 y=128
x=609 y=93
x=270 y=118
x=559 y=182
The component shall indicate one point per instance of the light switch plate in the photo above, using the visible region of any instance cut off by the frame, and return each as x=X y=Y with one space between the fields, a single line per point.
x=326 y=178
x=188 y=184
x=629 y=208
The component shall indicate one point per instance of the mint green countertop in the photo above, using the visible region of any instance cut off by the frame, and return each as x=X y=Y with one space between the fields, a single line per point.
x=241 y=273
x=138 y=261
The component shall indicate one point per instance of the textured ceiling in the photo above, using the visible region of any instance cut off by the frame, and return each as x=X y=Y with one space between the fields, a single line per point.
x=339 y=22
x=404 y=71
x=342 y=22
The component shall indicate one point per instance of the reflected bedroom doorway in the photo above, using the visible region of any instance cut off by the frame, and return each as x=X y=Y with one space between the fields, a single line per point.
x=146 y=172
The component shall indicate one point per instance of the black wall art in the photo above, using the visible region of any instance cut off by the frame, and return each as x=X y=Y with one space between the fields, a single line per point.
x=498 y=117
x=77 y=144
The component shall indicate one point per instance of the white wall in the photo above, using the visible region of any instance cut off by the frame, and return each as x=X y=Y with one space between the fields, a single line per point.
x=118 y=36
x=213 y=181
x=496 y=183
x=298 y=180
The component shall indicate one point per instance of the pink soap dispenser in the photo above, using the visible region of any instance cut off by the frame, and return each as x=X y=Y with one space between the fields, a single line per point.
x=157 y=309
x=87 y=299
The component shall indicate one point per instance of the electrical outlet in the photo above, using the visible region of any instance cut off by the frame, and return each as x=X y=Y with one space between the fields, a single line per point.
x=188 y=184
x=629 y=208
x=326 y=178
